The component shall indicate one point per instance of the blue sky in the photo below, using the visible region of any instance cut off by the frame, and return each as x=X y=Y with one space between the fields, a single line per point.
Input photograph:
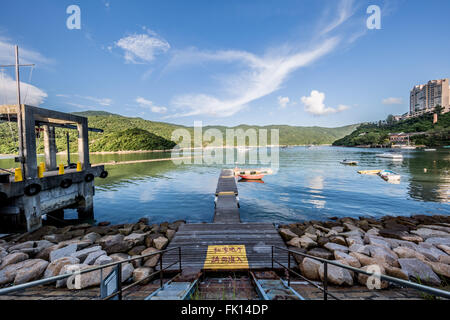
x=311 y=62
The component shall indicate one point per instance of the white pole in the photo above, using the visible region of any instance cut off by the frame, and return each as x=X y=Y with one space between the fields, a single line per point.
x=19 y=113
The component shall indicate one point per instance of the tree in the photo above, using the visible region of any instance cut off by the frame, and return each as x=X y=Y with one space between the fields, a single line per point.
x=438 y=109
x=390 y=119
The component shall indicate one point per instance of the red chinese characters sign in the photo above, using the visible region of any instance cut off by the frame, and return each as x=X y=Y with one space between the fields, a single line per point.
x=226 y=257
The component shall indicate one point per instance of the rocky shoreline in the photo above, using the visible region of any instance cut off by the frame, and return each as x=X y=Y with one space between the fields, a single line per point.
x=413 y=248
x=52 y=251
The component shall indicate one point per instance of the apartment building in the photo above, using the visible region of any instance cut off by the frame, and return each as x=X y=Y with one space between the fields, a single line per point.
x=425 y=97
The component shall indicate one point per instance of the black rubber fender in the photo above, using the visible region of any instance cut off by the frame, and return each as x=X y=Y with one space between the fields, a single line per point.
x=104 y=174
x=32 y=189
x=3 y=197
x=89 y=177
x=66 y=183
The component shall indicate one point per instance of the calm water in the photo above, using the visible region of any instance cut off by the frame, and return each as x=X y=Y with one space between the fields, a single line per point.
x=310 y=184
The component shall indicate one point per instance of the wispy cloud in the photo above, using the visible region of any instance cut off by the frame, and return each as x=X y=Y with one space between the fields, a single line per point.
x=142 y=48
x=144 y=103
x=315 y=104
x=283 y=101
x=27 y=56
x=100 y=101
x=345 y=11
x=30 y=94
x=263 y=76
x=392 y=101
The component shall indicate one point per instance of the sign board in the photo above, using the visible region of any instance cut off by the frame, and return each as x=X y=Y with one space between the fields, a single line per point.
x=226 y=257
x=110 y=284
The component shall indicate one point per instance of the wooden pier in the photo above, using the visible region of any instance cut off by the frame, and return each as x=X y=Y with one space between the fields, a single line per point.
x=226 y=244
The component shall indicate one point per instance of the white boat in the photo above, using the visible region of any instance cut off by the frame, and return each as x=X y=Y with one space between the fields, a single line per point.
x=389 y=175
x=408 y=148
x=393 y=156
x=429 y=150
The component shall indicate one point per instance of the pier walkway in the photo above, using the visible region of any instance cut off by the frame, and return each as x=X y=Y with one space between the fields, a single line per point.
x=227 y=243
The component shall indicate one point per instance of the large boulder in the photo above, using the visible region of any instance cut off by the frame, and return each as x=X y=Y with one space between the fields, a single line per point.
x=160 y=243
x=338 y=239
x=420 y=271
x=336 y=275
x=136 y=239
x=373 y=282
x=359 y=249
x=444 y=248
x=93 y=256
x=54 y=268
x=335 y=247
x=310 y=268
x=66 y=251
x=115 y=244
x=102 y=260
x=426 y=233
x=440 y=268
x=30 y=272
x=142 y=273
x=136 y=251
x=384 y=254
x=405 y=253
x=321 y=253
x=151 y=261
x=13 y=258
x=92 y=237
x=287 y=234
x=170 y=234
x=302 y=242
x=82 y=254
x=350 y=260
x=431 y=252
x=439 y=240
x=366 y=260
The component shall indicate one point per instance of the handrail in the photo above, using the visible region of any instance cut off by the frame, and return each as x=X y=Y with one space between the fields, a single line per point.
x=409 y=284
x=113 y=264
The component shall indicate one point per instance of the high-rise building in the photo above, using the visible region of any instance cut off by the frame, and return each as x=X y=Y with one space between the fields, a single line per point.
x=424 y=98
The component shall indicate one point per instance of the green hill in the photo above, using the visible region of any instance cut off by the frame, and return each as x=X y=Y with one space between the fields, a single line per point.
x=117 y=135
x=378 y=133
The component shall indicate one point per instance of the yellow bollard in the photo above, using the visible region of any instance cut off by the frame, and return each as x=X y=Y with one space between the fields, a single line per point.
x=40 y=172
x=42 y=164
x=61 y=169
x=18 y=175
x=79 y=167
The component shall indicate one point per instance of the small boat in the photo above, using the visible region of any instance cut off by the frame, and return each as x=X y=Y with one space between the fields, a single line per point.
x=369 y=171
x=408 y=148
x=393 y=156
x=349 y=162
x=446 y=147
x=252 y=174
x=389 y=175
x=429 y=150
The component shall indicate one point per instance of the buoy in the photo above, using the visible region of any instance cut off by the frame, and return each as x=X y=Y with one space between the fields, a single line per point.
x=79 y=167
x=61 y=169
x=425 y=170
x=18 y=175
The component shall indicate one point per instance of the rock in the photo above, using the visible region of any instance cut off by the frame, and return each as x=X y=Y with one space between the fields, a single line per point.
x=13 y=258
x=364 y=279
x=383 y=254
x=321 y=241
x=142 y=273
x=103 y=223
x=287 y=234
x=321 y=253
x=102 y=260
x=170 y=234
x=411 y=238
x=405 y=253
x=336 y=275
x=353 y=233
x=354 y=240
x=81 y=244
x=377 y=241
x=298 y=231
x=335 y=247
x=126 y=231
x=151 y=261
x=430 y=233
x=63 y=252
x=420 y=271
x=339 y=240
x=127 y=271
x=89 y=279
x=160 y=243
x=310 y=268
x=144 y=220
x=395 y=272
x=93 y=256
x=82 y=254
x=435 y=227
x=298 y=257
x=373 y=232
x=115 y=244
x=338 y=229
x=351 y=261
x=137 y=263
x=438 y=240
x=444 y=259
x=32 y=272
x=56 y=238
x=303 y=242
x=440 y=268
x=365 y=260
x=430 y=251
x=444 y=248
x=136 y=239
x=359 y=249
x=92 y=237
x=55 y=267
x=119 y=257
x=148 y=241
x=45 y=254
x=20 y=246
x=136 y=251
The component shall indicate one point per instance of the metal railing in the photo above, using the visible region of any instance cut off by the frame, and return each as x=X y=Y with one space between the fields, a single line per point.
x=117 y=264
x=324 y=288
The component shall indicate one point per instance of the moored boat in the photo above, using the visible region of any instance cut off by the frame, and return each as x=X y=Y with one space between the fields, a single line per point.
x=369 y=171
x=389 y=175
x=393 y=156
x=252 y=174
x=349 y=162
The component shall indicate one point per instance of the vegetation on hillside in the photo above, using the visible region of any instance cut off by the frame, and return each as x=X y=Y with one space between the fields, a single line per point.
x=378 y=133
x=117 y=136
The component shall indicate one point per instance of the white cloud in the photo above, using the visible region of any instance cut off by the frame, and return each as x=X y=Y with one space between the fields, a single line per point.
x=345 y=11
x=142 y=48
x=149 y=104
x=26 y=56
x=263 y=76
x=283 y=101
x=101 y=101
x=30 y=94
x=315 y=105
x=392 y=100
